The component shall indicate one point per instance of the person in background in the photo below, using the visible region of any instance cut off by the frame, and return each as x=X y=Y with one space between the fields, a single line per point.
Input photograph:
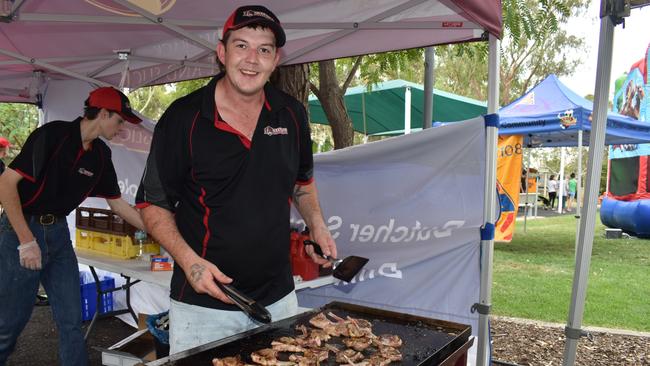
x=60 y=164
x=573 y=188
x=552 y=186
x=522 y=184
x=4 y=149
x=226 y=163
x=565 y=193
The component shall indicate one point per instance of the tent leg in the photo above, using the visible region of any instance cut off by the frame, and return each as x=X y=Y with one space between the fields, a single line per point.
x=489 y=211
x=407 y=110
x=526 y=188
x=427 y=117
x=561 y=191
x=577 y=197
x=586 y=232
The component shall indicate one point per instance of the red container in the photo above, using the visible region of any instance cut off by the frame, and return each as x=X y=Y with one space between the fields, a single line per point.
x=301 y=263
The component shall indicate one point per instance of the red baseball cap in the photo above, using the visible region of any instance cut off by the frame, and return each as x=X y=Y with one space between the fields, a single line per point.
x=113 y=100
x=255 y=15
x=4 y=143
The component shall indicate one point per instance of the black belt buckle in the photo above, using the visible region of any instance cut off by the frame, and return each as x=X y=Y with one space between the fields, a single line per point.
x=48 y=219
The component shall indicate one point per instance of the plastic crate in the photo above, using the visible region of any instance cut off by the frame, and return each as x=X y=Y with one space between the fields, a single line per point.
x=104 y=232
x=89 y=295
x=123 y=247
x=101 y=220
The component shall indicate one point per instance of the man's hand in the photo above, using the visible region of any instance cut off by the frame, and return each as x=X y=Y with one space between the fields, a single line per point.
x=202 y=276
x=30 y=255
x=327 y=245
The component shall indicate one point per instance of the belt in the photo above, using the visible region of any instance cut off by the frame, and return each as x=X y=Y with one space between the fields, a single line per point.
x=47 y=219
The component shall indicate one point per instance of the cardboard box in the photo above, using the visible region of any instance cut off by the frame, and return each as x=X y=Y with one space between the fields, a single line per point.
x=162 y=266
x=136 y=349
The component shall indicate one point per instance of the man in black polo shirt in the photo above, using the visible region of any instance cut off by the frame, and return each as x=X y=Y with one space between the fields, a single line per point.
x=60 y=165
x=225 y=165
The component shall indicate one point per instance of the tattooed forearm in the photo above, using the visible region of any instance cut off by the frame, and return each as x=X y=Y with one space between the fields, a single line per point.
x=298 y=192
x=196 y=272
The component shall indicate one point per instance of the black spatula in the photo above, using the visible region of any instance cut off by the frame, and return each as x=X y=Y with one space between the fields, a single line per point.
x=344 y=269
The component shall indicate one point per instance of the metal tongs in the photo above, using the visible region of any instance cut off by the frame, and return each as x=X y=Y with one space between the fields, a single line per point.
x=344 y=269
x=246 y=304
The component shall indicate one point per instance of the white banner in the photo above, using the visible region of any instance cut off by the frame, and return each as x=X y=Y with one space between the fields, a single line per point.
x=414 y=205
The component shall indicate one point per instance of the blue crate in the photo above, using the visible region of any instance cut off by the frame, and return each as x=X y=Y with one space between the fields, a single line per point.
x=89 y=295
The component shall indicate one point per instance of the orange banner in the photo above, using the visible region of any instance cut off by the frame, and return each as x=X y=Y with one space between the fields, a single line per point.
x=509 y=158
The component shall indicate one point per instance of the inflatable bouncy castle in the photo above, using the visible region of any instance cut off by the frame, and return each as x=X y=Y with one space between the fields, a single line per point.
x=626 y=204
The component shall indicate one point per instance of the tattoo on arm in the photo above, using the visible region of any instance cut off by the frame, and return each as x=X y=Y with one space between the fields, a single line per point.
x=196 y=272
x=298 y=192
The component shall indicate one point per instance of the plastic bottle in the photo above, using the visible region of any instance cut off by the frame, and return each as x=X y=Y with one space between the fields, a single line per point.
x=140 y=237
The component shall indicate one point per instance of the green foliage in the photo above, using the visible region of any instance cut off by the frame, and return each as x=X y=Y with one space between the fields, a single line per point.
x=535 y=44
x=17 y=121
x=152 y=101
x=533 y=276
x=406 y=64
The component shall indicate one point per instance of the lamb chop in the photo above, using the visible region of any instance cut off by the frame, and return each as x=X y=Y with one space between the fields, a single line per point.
x=337 y=329
x=346 y=328
x=390 y=340
x=310 y=357
x=311 y=339
x=358 y=344
x=288 y=344
x=390 y=353
x=268 y=357
x=228 y=361
x=321 y=321
x=348 y=356
x=319 y=334
x=361 y=323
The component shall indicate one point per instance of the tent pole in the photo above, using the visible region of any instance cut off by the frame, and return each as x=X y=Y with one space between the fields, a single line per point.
x=579 y=170
x=561 y=191
x=363 y=114
x=585 y=241
x=427 y=118
x=526 y=188
x=489 y=211
x=407 y=110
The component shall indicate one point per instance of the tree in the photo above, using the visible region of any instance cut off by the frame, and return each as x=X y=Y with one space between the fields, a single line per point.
x=331 y=93
x=17 y=121
x=534 y=45
x=152 y=101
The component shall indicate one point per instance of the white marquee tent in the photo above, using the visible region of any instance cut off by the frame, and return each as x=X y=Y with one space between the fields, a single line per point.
x=134 y=43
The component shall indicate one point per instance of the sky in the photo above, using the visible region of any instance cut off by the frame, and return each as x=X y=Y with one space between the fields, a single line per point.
x=630 y=44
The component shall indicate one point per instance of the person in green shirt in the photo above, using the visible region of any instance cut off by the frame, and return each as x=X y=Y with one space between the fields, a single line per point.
x=573 y=188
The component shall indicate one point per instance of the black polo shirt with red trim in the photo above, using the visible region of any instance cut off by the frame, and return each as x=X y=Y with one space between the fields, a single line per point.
x=58 y=174
x=231 y=196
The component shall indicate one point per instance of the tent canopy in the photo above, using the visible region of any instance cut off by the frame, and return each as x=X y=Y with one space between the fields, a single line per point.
x=384 y=107
x=550 y=115
x=134 y=43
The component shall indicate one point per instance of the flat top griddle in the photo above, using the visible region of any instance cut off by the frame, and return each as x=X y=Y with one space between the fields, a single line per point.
x=426 y=341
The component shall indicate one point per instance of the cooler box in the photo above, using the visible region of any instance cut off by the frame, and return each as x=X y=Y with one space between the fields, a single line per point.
x=89 y=295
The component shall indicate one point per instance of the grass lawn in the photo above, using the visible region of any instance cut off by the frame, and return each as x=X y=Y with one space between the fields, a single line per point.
x=533 y=276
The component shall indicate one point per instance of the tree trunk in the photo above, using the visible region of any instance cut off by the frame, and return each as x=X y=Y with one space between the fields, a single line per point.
x=331 y=98
x=293 y=80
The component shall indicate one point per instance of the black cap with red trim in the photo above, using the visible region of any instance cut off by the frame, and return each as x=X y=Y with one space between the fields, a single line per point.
x=255 y=15
x=112 y=100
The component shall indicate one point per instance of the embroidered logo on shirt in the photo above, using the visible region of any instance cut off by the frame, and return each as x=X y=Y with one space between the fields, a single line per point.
x=270 y=131
x=85 y=172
